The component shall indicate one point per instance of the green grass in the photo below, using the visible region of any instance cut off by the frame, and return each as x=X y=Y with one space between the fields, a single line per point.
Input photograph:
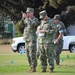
x=15 y=64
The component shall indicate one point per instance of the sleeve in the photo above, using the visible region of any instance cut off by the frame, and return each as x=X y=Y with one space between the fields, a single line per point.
x=64 y=30
x=38 y=28
x=60 y=28
x=21 y=24
x=26 y=22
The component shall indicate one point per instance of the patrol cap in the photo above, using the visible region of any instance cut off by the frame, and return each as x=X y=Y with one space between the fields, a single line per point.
x=57 y=17
x=30 y=10
x=42 y=14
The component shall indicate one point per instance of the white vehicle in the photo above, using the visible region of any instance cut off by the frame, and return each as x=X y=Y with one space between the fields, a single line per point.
x=18 y=44
x=69 y=43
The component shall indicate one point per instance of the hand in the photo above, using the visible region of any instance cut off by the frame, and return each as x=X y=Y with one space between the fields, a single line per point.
x=56 y=42
x=23 y=16
x=42 y=31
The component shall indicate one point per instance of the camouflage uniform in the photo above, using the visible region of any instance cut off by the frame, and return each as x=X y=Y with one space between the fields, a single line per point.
x=46 y=46
x=58 y=47
x=30 y=39
x=21 y=25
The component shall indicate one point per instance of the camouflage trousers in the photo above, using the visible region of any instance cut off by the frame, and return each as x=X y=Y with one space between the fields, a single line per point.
x=57 y=52
x=46 y=54
x=30 y=47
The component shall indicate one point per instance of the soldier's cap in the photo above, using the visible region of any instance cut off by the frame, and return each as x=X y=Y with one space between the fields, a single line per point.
x=57 y=17
x=30 y=10
x=42 y=14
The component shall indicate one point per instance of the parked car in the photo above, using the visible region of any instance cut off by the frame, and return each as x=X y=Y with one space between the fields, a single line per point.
x=18 y=44
x=69 y=43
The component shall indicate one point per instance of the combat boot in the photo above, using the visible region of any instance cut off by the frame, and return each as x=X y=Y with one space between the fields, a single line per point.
x=51 y=70
x=57 y=63
x=33 y=69
x=44 y=70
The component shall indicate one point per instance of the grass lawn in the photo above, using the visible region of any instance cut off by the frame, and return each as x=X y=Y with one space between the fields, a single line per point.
x=16 y=64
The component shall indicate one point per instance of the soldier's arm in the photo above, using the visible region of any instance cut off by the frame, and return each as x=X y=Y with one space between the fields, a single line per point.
x=21 y=24
x=60 y=29
x=26 y=22
x=58 y=39
x=38 y=29
x=65 y=31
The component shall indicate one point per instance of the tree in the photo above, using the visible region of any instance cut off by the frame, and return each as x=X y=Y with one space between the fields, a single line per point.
x=68 y=16
x=61 y=3
x=14 y=8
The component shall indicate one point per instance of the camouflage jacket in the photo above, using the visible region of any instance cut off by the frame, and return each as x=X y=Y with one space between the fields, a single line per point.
x=50 y=28
x=30 y=28
x=21 y=25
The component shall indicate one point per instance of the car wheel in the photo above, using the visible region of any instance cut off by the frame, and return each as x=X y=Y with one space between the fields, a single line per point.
x=21 y=47
x=72 y=48
x=14 y=50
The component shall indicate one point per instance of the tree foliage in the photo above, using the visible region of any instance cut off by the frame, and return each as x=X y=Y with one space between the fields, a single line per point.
x=61 y=3
x=68 y=16
x=15 y=8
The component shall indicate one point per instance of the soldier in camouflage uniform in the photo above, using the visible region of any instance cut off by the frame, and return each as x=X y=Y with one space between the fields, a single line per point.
x=59 y=39
x=46 y=33
x=31 y=24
